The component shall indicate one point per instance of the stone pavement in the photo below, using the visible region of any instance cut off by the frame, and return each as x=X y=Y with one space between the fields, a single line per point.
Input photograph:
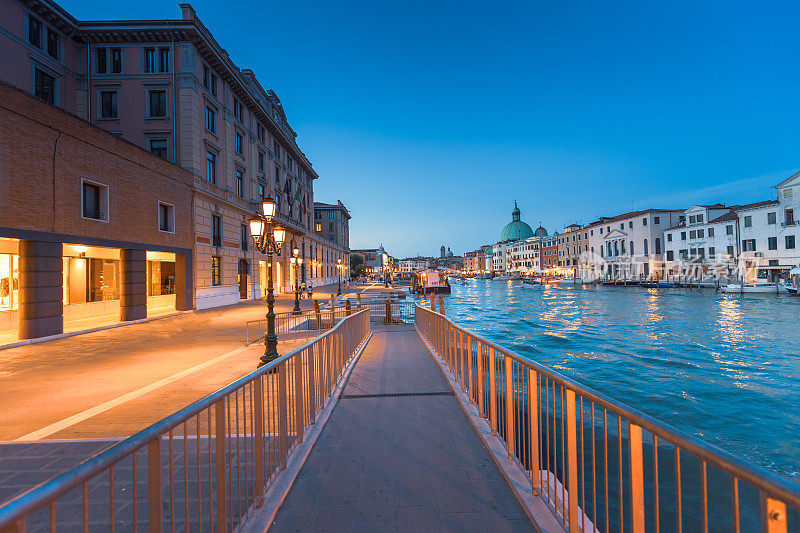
x=398 y=453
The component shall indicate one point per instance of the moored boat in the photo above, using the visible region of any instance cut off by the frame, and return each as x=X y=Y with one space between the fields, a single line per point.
x=569 y=281
x=759 y=287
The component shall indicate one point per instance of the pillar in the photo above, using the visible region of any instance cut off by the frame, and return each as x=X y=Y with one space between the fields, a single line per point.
x=133 y=284
x=41 y=280
x=184 y=289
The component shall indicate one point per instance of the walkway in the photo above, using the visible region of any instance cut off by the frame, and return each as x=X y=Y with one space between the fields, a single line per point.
x=398 y=453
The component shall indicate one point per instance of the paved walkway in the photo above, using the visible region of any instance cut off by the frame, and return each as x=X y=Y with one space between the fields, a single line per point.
x=398 y=453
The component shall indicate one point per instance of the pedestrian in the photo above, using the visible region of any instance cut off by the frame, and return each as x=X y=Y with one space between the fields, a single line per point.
x=310 y=289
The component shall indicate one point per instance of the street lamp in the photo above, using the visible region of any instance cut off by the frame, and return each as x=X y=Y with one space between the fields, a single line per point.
x=268 y=237
x=339 y=270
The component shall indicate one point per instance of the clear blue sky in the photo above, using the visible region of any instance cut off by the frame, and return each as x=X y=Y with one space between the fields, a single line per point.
x=429 y=118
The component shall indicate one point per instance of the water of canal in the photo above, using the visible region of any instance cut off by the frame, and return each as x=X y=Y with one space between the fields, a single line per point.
x=723 y=367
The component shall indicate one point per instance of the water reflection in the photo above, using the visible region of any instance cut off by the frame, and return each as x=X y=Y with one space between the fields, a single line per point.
x=724 y=366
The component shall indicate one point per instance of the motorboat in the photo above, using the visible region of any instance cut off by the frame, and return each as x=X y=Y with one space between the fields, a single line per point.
x=759 y=287
x=657 y=284
x=569 y=281
x=793 y=283
x=532 y=284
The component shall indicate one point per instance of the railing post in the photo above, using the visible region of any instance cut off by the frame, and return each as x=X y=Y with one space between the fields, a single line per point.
x=388 y=309
x=312 y=385
x=479 y=360
x=299 y=401
x=318 y=314
x=469 y=367
x=154 y=498
x=492 y=390
x=508 y=380
x=219 y=455
x=347 y=307
x=637 y=478
x=258 y=413
x=773 y=515
x=283 y=415
x=358 y=300
x=572 y=463
x=461 y=357
x=333 y=312
x=533 y=411
x=441 y=305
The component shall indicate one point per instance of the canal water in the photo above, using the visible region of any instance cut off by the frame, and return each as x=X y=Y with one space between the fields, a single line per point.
x=723 y=367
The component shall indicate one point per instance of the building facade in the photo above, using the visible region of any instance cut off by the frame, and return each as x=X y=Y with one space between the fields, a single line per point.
x=170 y=88
x=413 y=264
x=571 y=244
x=95 y=229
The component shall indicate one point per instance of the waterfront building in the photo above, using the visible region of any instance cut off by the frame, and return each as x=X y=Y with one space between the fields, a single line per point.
x=376 y=260
x=95 y=230
x=413 y=264
x=629 y=245
x=511 y=237
x=571 y=244
x=475 y=262
x=332 y=226
x=549 y=249
x=448 y=259
x=170 y=88
x=523 y=256
x=703 y=243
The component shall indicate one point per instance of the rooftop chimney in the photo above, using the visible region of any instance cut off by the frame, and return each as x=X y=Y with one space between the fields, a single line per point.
x=187 y=12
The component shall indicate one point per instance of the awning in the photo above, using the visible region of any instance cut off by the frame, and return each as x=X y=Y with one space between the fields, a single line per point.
x=775 y=267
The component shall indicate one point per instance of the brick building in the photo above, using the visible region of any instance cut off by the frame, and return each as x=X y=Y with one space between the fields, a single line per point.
x=169 y=87
x=93 y=226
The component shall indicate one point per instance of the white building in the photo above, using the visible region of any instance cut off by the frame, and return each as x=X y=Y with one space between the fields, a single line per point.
x=628 y=246
x=413 y=264
x=523 y=256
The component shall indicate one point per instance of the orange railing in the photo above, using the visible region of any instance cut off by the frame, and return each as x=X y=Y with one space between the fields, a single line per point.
x=206 y=467
x=598 y=464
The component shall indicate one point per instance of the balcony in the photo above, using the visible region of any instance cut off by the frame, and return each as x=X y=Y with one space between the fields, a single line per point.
x=788 y=223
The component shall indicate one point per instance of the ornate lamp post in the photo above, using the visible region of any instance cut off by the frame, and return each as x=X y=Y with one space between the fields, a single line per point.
x=339 y=272
x=268 y=237
x=296 y=262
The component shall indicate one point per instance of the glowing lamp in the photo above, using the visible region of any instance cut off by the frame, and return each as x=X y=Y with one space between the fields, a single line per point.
x=268 y=207
x=257 y=229
x=279 y=234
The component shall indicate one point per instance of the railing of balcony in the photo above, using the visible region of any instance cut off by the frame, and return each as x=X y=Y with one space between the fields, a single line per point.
x=204 y=468
x=599 y=464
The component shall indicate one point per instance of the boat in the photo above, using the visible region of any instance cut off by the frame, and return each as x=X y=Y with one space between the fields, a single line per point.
x=759 y=287
x=532 y=284
x=792 y=285
x=569 y=281
x=657 y=284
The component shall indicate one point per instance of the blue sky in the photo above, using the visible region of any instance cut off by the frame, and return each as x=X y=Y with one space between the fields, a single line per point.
x=427 y=119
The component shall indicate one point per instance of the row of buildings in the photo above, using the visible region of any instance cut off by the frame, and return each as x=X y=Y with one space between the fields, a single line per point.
x=726 y=242
x=133 y=155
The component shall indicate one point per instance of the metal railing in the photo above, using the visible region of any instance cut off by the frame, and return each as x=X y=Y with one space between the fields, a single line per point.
x=598 y=464
x=391 y=312
x=308 y=320
x=204 y=468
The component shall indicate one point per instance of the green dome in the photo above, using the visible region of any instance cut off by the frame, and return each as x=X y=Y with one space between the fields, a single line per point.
x=516 y=230
x=540 y=232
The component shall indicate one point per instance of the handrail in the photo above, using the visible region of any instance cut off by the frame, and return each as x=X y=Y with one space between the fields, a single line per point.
x=341 y=342
x=455 y=345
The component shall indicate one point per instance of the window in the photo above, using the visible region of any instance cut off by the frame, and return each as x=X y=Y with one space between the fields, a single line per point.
x=238 y=144
x=669 y=237
x=277 y=176
x=211 y=120
x=163 y=59
x=319 y=226
x=749 y=245
x=260 y=132
x=700 y=219
x=35 y=32
x=692 y=218
x=108 y=104
x=158 y=147
x=644 y=222
x=238 y=110
x=330 y=226
x=787 y=193
x=772 y=218
x=658 y=245
x=209 y=80
x=101 y=56
x=52 y=43
x=239 y=183
x=683 y=235
x=772 y=243
x=789 y=242
x=730 y=251
x=116 y=60
x=211 y=167
x=262 y=191
x=166 y=217
x=276 y=148
x=44 y=86
x=712 y=252
x=261 y=161
x=216 y=230
x=646 y=251
x=656 y=220
x=157 y=103
x=710 y=232
x=700 y=233
x=149 y=59
x=748 y=221
x=94 y=201
x=244 y=237
x=729 y=229
x=216 y=270
x=789 y=214
x=693 y=234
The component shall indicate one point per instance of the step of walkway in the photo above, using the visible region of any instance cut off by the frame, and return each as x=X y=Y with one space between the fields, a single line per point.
x=399 y=454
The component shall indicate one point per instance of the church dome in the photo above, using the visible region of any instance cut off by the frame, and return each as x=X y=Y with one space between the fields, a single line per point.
x=449 y=253
x=540 y=232
x=516 y=230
